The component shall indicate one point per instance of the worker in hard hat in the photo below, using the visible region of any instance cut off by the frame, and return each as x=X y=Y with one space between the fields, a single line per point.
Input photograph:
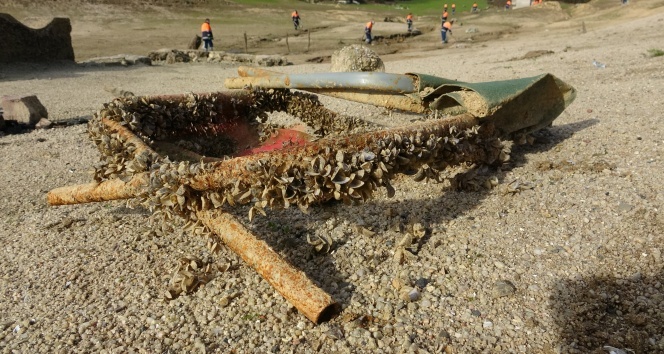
x=296 y=19
x=206 y=35
x=447 y=27
x=474 y=7
x=367 y=31
x=409 y=21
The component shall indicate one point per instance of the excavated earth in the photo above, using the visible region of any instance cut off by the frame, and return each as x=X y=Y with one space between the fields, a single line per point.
x=563 y=255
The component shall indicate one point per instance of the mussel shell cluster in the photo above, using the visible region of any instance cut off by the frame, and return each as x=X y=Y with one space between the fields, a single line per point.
x=329 y=169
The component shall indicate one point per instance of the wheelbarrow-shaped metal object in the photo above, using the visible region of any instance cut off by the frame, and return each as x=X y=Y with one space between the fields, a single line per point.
x=517 y=106
x=192 y=156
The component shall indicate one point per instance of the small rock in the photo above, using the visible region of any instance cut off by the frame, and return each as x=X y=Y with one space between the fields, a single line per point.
x=398 y=283
x=43 y=124
x=502 y=288
x=613 y=350
x=270 y=60
x=334 y=332
x=410 y=295
x=176 y=56
x=624 y=207
x=487 y=324
x=23 y=109
x=422 y=283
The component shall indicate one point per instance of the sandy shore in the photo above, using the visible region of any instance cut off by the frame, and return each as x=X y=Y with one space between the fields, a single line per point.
x=570 y=262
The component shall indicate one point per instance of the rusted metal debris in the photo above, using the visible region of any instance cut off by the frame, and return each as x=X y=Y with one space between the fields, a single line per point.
x=194 y=156
x=292 y=284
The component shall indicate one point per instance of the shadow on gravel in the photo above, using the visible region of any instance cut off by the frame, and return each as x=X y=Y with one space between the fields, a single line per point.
x=54 y=70
x=290 y=239
x=545 y=140
x=594 y=312
x=12 y=127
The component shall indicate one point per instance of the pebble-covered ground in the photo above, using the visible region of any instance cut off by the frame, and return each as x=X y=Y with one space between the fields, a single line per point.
x=564 y=255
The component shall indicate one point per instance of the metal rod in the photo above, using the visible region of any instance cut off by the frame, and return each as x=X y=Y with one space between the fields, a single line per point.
x=293 y=284
x=400 y=102
x=218 y=174
x=384 y=100
x=360 y=81
x=247 y=71
x=287 y=45
x=128 y=136
x=98 y=192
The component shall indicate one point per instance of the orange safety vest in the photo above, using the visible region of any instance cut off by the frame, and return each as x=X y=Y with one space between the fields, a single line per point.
x=475 y=5
x=447 y=25
x=445 y=6
x=409 y=18
x=453 y=6
x=295 y=14
x=205 y=27
x=445 y=14
x=369 y=26
x=509 y=3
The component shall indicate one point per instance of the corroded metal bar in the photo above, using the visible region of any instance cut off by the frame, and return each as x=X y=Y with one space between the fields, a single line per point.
x=360 y=81
x=248 y=71
x=128 y=136
x=400 y=102
x=314 y=303
x=98 y=192
x=218 y=174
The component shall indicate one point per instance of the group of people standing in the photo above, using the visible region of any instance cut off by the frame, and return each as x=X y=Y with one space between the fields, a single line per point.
x=446 y=26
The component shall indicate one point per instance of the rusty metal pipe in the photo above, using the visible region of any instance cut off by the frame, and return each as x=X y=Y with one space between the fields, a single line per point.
x=219 y=173
x=128 y=136
x=400 y=102
x=314 y=303
x=356 y=81
x=248 y=71
x=98 y=192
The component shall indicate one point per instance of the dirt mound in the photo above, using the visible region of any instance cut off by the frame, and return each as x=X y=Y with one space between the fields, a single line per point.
x=21 y=43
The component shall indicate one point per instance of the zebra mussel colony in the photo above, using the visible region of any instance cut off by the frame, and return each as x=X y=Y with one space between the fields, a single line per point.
x=348 y=168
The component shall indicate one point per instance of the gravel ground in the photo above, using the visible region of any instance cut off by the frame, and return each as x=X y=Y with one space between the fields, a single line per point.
x=568 y=262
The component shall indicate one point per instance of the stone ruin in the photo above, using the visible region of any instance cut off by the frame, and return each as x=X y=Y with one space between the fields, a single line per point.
x=21 y=43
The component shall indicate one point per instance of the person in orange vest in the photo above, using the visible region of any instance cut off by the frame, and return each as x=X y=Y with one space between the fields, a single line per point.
x=367 y=31
x=453 y=9
x=409 y=21
x=445 y=8
x=474 y=7
x=206 y=35
x=296 y=19
x=447 y=27
x=444 y=17
x=508 y=5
